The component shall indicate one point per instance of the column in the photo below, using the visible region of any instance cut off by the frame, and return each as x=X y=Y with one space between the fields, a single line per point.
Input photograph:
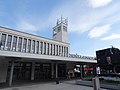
x=81 y=71
x=35 y=46
x=12 y=42
x=46 y=48
x=52 y=70
x=27 y=46
x=11 y=73
x=6 y=42
x=32 y=70
x=31 y=51
x=39 y=47
x=43 y=48
x=17 y=43
x=68 y=52
x=56 y=70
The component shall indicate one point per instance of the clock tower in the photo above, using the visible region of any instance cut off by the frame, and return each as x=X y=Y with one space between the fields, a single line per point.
x=60 y=32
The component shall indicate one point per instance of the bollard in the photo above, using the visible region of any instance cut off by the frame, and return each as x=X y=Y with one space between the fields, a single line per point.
x=96 y=83
x=57 y=80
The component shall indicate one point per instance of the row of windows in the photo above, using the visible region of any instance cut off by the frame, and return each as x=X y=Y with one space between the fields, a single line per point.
x=14 y=43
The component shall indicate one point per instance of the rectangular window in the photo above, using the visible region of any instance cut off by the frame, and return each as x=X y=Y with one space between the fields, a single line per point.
x=9 y=42
x=54 y=50
x=14 y=43
x=51 y=49
x=44 y=48
x=57 y=50
x=24 y=44
x=41 y=47
x=62 y=50
x=3 y=39
x=33 y=46
x=19 y=44
x=29 y=45
x=37 y=47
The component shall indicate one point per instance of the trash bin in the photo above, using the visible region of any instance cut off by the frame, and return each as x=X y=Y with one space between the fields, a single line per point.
x=57 y=80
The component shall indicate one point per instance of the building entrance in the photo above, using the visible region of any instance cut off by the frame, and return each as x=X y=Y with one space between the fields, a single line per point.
x=42 y=71
x=22 y=70
x=62 y=70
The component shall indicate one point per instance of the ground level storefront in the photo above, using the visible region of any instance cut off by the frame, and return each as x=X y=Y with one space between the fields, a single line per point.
x=16 y=69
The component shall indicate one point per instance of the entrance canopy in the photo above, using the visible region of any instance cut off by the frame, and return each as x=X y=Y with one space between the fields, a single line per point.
x=44 y=57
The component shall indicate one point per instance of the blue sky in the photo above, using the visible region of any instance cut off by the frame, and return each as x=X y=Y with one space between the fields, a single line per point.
x=92 y=24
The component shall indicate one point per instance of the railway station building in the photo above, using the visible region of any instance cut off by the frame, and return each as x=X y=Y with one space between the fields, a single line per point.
x=25 y=56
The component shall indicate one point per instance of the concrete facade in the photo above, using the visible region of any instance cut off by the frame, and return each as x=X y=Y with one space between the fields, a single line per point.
x=34 y=57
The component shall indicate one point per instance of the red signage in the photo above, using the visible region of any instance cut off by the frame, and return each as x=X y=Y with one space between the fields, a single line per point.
x=88 y=68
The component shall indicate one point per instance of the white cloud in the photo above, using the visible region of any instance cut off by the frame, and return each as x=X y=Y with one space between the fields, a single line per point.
x=99 y=31
x=98 y=3
x=111 y=37
x=26 y=27
x=80 y=17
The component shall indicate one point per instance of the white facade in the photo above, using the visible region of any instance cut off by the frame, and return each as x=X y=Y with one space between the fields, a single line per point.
x=60 y=31
x=12 y=40
x=19 y=47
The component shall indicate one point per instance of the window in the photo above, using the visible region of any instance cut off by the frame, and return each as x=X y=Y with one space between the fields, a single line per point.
x=44 y=48
x=19 y=44
x=59 y=28
x=57 y=50
x=9 y=42
x=60 y=50
x=41 y=47
x=24 y=44
x=65 y=28
x=14 y=43
x=33 y=46
x=3 y=39
x=29 y=45
x=37 y=47
x=64 y=51
x=54 y=50
x=51 y=49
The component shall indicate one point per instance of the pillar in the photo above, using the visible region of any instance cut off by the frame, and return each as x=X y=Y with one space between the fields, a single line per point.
x=56 y=70
x=81 y=71
x=32 y=70
x=52 y=70
x=6 y=42
x=11 y=73
x=17 y=43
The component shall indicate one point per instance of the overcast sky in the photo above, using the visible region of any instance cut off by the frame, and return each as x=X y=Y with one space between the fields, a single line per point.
x=92 y=24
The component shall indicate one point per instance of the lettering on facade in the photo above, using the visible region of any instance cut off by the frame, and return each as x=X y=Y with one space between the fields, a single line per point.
x=81 y=57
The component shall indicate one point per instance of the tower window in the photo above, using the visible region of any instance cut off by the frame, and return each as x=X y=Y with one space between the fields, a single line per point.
x=65 y=28
x=59 y=28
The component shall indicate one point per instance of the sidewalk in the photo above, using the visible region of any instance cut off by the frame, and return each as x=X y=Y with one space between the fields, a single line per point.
x=63 y=85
